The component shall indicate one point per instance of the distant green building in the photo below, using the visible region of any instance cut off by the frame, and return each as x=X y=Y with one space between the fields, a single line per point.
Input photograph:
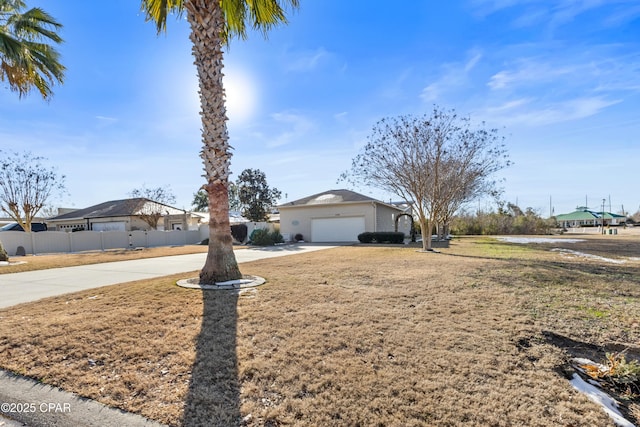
x=584 y=217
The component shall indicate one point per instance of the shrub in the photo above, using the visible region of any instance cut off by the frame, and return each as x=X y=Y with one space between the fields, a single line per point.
x=3 y=254
x=264 y=237
x=366 y=237
x=239 y=232
x=276 y=237
x=298 y=237
x=259 y=236
x=381 y=237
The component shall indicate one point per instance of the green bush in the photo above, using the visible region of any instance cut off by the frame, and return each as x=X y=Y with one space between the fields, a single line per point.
x=366 y=237
x=264 y=237
x=381 y=237
x=276 y=237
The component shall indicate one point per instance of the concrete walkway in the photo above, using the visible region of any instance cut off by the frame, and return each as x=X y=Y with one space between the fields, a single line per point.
x=32 y=404
x=29 y=286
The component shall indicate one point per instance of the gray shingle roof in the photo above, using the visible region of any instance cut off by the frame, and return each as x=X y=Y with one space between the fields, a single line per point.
x=111 y=208
x=330 y=197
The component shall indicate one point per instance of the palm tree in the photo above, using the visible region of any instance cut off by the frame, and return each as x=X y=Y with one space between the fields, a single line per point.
x=26 y=60
x=213 y=23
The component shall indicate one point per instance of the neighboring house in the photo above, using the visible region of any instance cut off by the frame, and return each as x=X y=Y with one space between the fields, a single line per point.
x=4 y=220
x=586 y=218
x=124 y=215
x=339 y=216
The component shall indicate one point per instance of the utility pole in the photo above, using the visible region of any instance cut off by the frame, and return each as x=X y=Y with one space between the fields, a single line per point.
x=603 y=201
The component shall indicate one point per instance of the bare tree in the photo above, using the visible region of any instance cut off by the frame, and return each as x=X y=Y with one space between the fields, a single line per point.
x=26 y=185
x=436 y=162
x=151 y=203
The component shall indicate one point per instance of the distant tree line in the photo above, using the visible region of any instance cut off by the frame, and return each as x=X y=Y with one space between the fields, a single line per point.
x=508 y=219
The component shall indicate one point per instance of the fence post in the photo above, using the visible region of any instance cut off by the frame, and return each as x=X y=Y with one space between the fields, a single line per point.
x=33 y=243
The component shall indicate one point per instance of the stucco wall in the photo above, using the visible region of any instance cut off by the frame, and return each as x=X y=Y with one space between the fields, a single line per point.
x=297 y=219
x=294 y=220
x=386 y=216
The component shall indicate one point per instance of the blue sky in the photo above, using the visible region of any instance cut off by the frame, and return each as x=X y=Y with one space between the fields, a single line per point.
x=560 y=79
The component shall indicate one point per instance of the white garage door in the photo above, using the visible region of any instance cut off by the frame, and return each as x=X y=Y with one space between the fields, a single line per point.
x=337 y=229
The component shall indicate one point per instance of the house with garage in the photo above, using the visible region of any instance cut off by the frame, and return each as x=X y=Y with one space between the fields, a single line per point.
x=339 y=216
x=125 y=215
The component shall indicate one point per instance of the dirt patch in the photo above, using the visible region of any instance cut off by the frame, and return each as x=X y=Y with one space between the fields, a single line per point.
x=477 y=335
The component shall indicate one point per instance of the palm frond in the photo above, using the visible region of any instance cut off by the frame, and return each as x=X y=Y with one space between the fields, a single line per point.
x=158 y=11
x=26 y=62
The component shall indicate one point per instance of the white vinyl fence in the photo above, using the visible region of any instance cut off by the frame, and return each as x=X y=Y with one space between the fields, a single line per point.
x=62 y=241
x=46 y=242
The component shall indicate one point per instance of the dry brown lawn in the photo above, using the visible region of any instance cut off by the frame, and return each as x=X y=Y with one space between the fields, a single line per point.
x=41 y=262
x=478 y=335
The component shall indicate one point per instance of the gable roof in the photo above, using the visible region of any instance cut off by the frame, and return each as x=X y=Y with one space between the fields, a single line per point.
x=113 y=208
x=576 y=216
x=331 y=197
x=587 y=215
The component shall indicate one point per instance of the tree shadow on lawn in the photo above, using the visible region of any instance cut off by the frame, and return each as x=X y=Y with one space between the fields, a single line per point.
x=597 y=353
x=629 y=401
x=213 y=398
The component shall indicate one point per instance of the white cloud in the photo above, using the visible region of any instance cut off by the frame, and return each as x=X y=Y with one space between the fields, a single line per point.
x=622 y=16
x=453 y=77
x=600 y=70
x=295 y=127
x=104 y=121
x=529 y=71
x=555 y=13
x=473 y=61
x=524 y=112
x=307 y=60
x=509 y=106
x=341 y=117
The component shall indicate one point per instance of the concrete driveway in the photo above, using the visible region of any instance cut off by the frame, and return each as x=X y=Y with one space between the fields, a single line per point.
x=17 y=288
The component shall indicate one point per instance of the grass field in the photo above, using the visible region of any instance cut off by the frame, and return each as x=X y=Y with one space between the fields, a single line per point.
x=477 y=335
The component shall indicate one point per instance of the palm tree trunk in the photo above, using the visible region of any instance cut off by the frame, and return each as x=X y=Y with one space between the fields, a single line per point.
x=207 y=25
x=221 y=264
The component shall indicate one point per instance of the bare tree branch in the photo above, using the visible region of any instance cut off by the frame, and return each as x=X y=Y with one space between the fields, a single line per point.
x=437 y=162
x=26 y=185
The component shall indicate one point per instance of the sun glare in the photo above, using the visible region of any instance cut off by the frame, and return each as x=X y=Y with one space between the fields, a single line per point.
x=241 y=95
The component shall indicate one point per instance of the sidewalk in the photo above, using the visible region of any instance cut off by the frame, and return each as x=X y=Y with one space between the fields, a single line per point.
x=38 y=405
x=29 y=286
x=33 y=404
